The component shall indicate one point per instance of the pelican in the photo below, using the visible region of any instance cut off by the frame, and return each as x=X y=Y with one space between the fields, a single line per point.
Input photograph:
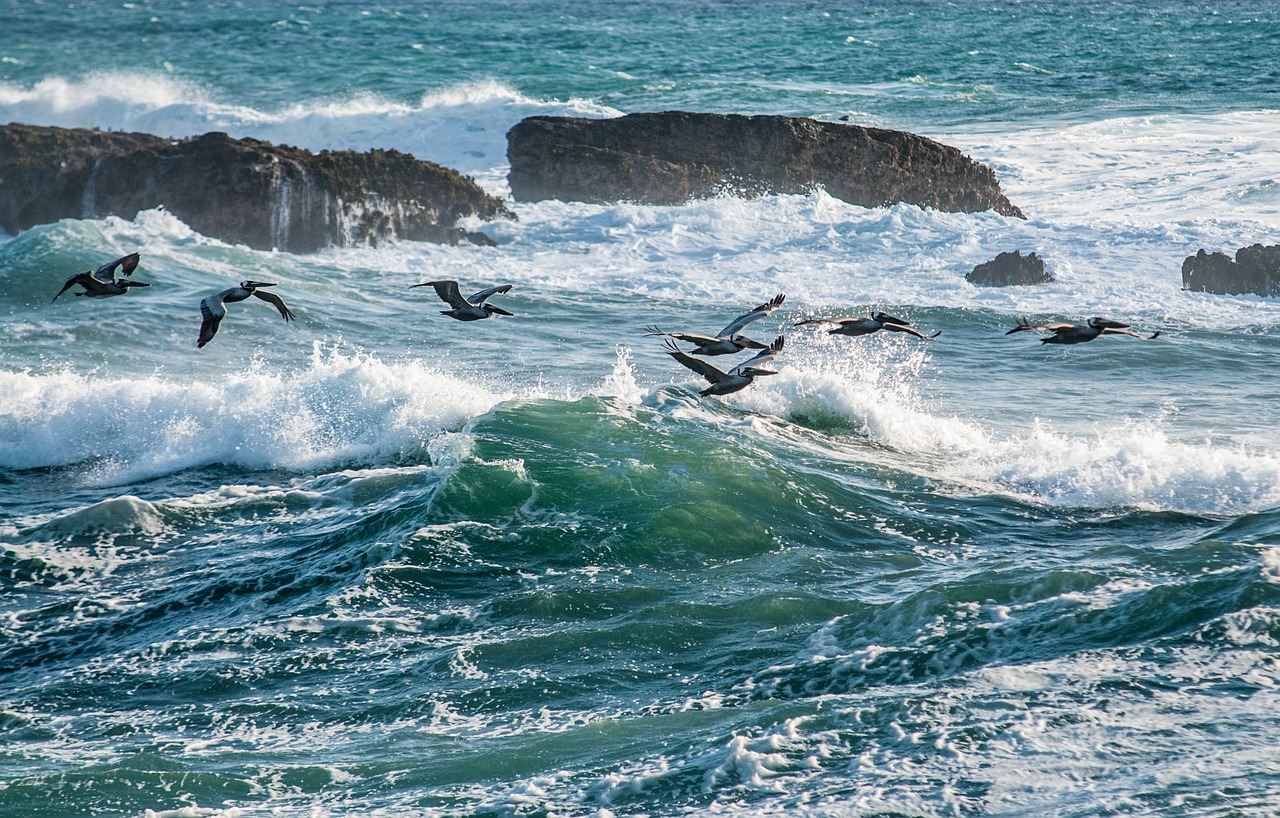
x=213 y=307
x=99 y=283
x=1079 y=333
x=866 y=326
x=723 y=383
x=727 y=341
x=467 y=309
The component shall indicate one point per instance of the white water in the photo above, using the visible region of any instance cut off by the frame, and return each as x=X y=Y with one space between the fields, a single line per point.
x=1115 y=205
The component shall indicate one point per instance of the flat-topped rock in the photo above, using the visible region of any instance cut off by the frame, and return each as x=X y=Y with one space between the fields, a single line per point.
x=239 y=190
x=673 y=156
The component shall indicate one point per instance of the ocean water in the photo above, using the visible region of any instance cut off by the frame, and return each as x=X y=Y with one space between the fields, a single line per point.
x=377 y=562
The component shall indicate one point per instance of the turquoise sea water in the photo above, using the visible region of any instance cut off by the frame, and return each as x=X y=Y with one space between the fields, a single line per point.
x=378 y=562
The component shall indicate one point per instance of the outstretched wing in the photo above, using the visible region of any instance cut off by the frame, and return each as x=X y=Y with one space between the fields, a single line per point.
x=1139 y=336
x=483 y=296
x=448 y=292
x=760 y=359
x=127 y=264
x=78 y=278
x=706 y=370
x=1024 y=324
x=687 y=337
x=839 y=321
x=755 y=315
x=275 y=301
x=910 y=330
x=212 y=311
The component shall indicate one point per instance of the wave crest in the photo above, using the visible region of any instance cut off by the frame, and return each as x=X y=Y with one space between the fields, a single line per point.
x=340 y=409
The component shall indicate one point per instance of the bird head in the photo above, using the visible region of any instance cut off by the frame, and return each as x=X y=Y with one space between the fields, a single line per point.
x=1103 y=323
x=889 y=319
x=253 y=285
x=490 y=309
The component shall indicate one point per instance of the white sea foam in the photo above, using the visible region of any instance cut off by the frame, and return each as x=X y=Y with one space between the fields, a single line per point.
x=1168 y=169
x=463 y=127
x=829 y=255
x=1127 y=463
x=340 y=409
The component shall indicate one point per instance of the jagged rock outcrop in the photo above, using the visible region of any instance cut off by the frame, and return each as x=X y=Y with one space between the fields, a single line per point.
x=239 y=190
x=673 y=156
x=1010 y=270
x=1255 y=269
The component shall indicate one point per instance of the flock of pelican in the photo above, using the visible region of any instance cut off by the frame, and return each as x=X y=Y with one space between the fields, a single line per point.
x=104 y=283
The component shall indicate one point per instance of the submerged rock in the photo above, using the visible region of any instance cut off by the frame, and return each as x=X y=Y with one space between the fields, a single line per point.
x=1255 y=269
x=673 y=156
x=1010 y=270
x=238 y=190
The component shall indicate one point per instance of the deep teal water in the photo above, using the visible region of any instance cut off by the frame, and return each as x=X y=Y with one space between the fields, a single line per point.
x=377 y=562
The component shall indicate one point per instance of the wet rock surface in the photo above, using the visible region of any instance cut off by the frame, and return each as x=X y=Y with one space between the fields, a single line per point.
x=1255 y=269
x=673 y=156
x=1010 y=270
x=238 y=190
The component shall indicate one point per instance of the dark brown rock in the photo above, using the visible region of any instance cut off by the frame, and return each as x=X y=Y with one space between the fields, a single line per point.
x=674 y=156
x=1010 y=270
x=239 y=190
x=1255 y=269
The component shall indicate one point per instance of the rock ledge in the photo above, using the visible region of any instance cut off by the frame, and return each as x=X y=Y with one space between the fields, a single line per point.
x=671 y=157
x=238 y=190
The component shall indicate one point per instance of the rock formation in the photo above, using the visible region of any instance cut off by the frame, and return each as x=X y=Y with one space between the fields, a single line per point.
x=1010 y=270
x=674 y=156
x=239 y=190
x=1255 y=269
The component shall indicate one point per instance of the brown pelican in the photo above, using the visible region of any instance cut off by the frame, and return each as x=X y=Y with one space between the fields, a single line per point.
x=467 y=309
x=213 y=310
x=727 y=341
x=99 y=283
x=723 y=383
x=1079 y=333
x=866 y=326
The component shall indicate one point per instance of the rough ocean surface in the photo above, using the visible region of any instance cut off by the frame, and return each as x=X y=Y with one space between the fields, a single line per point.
x=379 y=562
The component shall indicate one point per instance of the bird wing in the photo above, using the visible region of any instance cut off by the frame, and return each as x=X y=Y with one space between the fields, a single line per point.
x=275 y=301
x=687 y=337
x=448 y=292
x=212 y=311
x=755 y=315
x=1025 y=324
x=828 y=321
x=1139 y=336
x=761 y=358
x=910 y=330
x=706 y=370
x=127 y=264
x=483 y=296
x=78 y=278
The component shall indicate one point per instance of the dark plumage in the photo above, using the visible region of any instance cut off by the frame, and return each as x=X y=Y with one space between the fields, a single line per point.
x=212 y=308
x=100 y=284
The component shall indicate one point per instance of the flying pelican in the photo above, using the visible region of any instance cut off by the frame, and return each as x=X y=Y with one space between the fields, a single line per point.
x=467 y=309
x=213 y=307
x=723 y=383
x=727 y=341
x=99 y=284
x=866 y=326
x=1079 y=333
